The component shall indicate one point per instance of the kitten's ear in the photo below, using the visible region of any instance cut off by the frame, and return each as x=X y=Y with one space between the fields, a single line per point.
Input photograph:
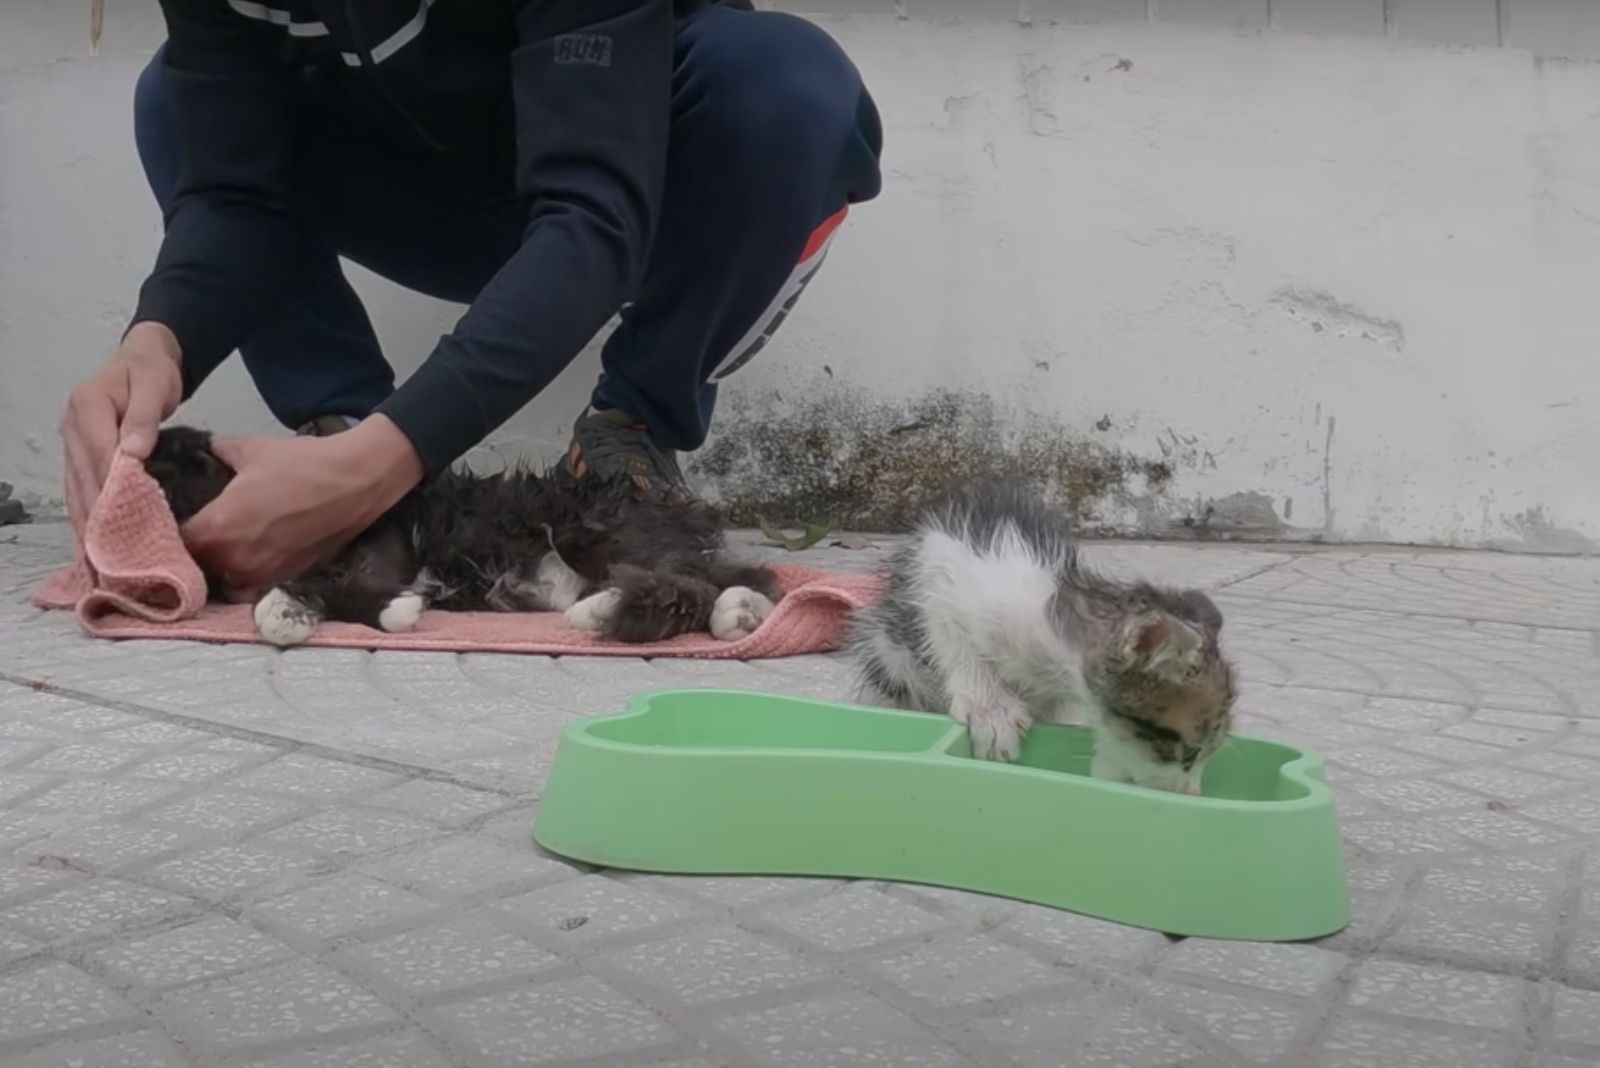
x=1160 y=643
x=1203 y=610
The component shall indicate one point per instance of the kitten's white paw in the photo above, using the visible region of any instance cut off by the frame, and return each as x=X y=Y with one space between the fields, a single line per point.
x=282 y=620
x=401 y=614
x=995 y=724
x=997 y=732
x=738 y=612
x=595 y=612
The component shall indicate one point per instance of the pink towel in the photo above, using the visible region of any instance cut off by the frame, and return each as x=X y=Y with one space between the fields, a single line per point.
x=134 y=579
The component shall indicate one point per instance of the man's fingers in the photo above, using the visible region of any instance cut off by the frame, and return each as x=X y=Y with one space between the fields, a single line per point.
x=80 y=498
x=147 y=403
x=211 y=539
x=84 y=477
x=91 y=429
x=241 y=594
x=200 y=533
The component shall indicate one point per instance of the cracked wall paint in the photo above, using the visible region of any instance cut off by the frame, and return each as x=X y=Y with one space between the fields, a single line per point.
x=1341 y=287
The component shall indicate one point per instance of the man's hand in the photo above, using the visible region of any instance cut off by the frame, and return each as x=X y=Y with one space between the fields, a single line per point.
x=296 y=502
x=122 y=404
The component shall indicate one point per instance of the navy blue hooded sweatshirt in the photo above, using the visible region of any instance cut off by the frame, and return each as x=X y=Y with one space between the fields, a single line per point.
x=573 y=95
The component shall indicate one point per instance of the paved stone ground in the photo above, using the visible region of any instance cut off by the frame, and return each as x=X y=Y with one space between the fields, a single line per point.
x=235 y=856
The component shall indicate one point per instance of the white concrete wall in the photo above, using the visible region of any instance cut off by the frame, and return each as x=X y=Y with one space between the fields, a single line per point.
x=1341 y=286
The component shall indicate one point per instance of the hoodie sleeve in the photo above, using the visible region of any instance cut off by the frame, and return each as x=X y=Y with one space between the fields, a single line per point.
x=592 y=85
x=231 y=240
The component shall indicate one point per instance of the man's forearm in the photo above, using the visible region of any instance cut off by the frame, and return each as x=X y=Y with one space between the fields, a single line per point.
x=591 y=161
x=527 y=325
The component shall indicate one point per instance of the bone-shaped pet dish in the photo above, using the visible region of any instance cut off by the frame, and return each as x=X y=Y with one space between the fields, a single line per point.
x=730 y=782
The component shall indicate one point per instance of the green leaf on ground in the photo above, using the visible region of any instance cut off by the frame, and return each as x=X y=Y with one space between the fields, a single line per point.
x=776 y=536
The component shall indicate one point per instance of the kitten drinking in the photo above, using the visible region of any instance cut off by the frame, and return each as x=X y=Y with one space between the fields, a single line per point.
x=988 y=616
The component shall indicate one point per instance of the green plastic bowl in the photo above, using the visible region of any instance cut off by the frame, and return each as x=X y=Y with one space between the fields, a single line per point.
x=731 y=782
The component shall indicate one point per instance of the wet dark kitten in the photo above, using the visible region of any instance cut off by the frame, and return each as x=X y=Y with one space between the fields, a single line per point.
x=616 y=561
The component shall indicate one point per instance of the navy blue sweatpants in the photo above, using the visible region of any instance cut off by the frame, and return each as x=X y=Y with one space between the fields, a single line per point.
x=772 y=136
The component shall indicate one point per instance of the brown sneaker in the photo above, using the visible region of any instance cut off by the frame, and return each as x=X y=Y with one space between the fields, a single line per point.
x=612 y=444
x=324 y=426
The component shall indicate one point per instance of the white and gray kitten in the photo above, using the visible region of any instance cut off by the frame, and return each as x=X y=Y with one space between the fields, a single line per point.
x=988 y=616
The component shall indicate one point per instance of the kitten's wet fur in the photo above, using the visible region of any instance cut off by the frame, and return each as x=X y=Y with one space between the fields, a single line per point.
x=988 y=616
x=615 y=560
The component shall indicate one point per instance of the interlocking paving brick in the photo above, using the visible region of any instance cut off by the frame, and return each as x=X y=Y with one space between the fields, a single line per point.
x=1531 y=892
x=296 y=999
x=1575 y=1061
x=133 y=1049
x=441 y=802
x=232 y=871
x=188 y=954
x=1048 y=1035
x=1504 y=784
x=966 y=972
x=1404 y=837
x=92 y=758
x=1578 y=769
x=1497 y=830
x=1505 y=737
x=303 y=775
x=737 y=892
x=225 y=811
x=469 y=866
x=1129 y=1038
x=1418 y=795
x=1580 y=814
x=95 y=907
x=19 y=828
x=16 y=785
x=1083 y=937
x=1471 y=936
x=406 y=1050
x=456 y=953
x=1257 y=1027
x=101 y=798
x=1583 y=952
x=713 y=965
x=1296 y=970
x=550 y=1022
x=340 y=905
x=594 y=907
x=838 y=1029
x=1575 y=1016
x=195 y=765
x=1448 y=995
x=25 y=879
x=1444 y=748
x=14 y=946
x=1383 y=760
x=54 y=998
x=1370 y=1042
x=349 y=833
x=20 y=751
x=78 y=716
x=515 y=825
x=854 y=918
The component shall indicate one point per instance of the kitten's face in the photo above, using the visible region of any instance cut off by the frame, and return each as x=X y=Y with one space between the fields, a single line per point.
x=186 y=469
x=1167 y=690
